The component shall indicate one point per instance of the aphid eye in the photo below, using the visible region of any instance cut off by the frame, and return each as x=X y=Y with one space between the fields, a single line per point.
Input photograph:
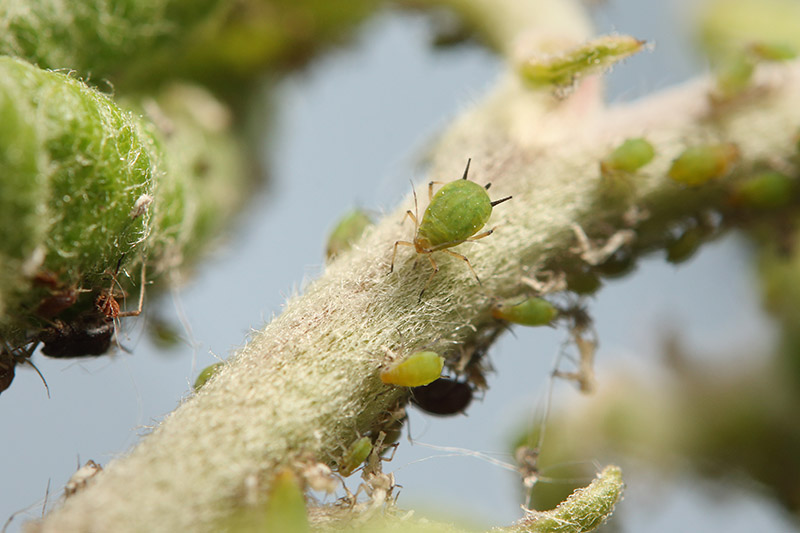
x=699 y=164
x=417 y=369
x=356 y=454
x=531 y=312
x=206 y=374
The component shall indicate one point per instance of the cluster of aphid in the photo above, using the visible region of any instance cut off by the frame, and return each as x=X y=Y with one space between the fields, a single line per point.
x=87 y=333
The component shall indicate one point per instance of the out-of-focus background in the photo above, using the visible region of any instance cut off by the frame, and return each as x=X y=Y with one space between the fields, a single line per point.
x=348 y=132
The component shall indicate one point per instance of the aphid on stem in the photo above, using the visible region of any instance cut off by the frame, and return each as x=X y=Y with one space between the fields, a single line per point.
x=454 y=215
x=419 y=368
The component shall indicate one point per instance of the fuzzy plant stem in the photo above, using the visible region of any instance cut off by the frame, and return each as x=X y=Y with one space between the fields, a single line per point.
x=308 y=383
x=87 y=185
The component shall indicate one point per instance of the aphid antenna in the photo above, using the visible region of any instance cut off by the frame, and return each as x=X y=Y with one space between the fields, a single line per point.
x=22 y=356
x=44 y=381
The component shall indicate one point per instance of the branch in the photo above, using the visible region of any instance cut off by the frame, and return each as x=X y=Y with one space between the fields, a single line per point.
x=308 y=384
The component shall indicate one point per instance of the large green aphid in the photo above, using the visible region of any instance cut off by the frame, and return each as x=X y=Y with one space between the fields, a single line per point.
x=416 y=370
x=531 y=312
x=454 y=215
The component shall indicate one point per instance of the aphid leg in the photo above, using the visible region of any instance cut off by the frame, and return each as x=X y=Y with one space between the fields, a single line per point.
x=394 y=254
x=44 y=381
x=430 y=188
x=435 y=270
x=464 y=258
x=466 y=170
x=141 y=296
x=412 y=216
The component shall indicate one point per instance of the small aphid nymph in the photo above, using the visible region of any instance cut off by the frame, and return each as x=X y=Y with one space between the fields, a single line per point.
x=764 y=191
x=347 y=231
x=417 y=369
x=356 y=454
x=454 y=215
x=206 y=374
x=628 y=157
x=702 y=163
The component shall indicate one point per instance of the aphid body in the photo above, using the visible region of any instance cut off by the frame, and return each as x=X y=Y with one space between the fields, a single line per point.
x=699 y=164
x=206 y=374
x=531 y=312
x=417 y=369
x=628 y=157
x=454 y=215
x=86 y=336
x=346 y=232
x=443 y=397
x=356 y=454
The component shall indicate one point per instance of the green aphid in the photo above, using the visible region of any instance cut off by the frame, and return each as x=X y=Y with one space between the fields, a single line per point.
x=286 y=505
x=453 y=216
x=163 y=334
x=702 y=163
x=562 y=68
x=773 y=51
x=766 y=190
x=583 y=282
x=531 y=312
x=628 y=157
x=346 y=232
x=685 y=246
x=619 y=264
x=734 y=74
x=356 y=454
x=205 y=375
x=417 y=369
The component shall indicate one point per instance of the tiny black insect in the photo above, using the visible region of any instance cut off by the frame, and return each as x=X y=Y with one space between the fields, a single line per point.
x=443 y=397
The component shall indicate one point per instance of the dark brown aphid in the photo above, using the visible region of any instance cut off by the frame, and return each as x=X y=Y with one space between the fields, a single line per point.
x=10 y=358
x=57 y=302
x=60 y=299
x=443 y=397
x=89 y=334
x=7 y=371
